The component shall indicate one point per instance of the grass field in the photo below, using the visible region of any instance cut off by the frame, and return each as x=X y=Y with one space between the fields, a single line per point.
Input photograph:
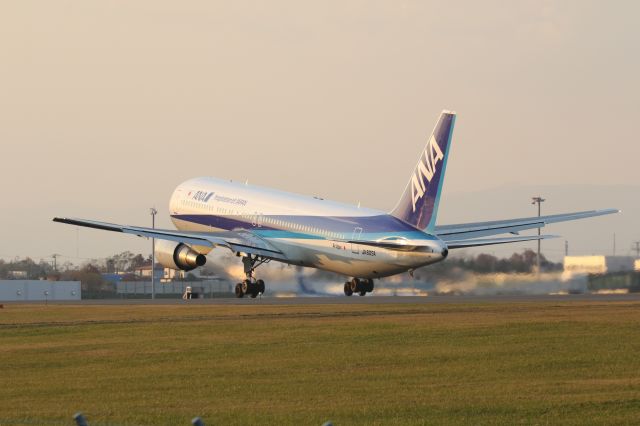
x=520 y=363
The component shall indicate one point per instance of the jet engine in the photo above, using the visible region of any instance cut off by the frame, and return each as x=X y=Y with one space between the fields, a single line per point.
x=178 y=255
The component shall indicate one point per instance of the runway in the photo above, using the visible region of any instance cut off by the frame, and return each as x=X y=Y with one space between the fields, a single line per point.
x=356 y=300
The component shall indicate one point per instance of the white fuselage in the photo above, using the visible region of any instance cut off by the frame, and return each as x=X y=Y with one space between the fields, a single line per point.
x=309 y=231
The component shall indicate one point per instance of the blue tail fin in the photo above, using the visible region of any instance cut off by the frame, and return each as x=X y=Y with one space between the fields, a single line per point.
x=419 y=202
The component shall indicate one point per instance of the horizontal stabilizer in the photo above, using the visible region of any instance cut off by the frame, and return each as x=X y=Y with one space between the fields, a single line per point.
x=491 y=241
x=484 y=229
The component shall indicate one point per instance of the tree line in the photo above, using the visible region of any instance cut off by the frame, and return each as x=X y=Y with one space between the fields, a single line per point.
x=28 y=268
x=483 y=263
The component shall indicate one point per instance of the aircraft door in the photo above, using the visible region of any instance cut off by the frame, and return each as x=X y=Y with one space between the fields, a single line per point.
x=355 y=247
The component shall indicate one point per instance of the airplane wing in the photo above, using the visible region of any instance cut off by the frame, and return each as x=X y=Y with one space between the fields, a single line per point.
x=466 y=231
x=238 y=241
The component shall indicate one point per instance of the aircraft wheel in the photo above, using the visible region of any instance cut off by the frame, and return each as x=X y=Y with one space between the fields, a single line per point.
x=355 y=285
x=260 y=285
x=363 y=292
x=347 y=289
x=245 y=286
x=369 y=285
x=239 y=292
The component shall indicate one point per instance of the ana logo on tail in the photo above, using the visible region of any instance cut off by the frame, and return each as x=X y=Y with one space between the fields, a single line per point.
x=425 y=170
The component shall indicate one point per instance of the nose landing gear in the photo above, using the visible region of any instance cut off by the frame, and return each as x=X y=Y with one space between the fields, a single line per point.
x=362 y=287
x=250 y=285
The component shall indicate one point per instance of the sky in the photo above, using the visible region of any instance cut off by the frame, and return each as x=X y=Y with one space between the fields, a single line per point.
x=105 y=107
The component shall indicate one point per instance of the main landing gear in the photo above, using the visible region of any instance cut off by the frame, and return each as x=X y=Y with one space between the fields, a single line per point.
x=359 y=286
x=250 y=285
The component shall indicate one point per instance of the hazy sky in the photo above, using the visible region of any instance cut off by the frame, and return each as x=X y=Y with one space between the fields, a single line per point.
x=105 y=106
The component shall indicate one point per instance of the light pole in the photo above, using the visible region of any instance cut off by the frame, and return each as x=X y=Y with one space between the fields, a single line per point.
x=538 y=200
x=153 y=254
x=55 y=261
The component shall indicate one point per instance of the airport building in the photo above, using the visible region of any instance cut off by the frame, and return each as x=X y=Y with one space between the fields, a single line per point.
x=600 y=264
x=29 y=290
x=166 y=274
x=145 y=271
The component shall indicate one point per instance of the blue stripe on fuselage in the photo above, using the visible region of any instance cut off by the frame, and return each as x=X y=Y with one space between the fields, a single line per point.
x=373 y=227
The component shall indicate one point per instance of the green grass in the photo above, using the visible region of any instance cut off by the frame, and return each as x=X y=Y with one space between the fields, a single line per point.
x=542 y=363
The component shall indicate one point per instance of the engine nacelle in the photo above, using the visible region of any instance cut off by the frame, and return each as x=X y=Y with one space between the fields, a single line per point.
x=178 y=256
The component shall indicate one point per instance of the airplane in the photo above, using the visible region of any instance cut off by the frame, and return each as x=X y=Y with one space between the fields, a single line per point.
x=261 y=225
